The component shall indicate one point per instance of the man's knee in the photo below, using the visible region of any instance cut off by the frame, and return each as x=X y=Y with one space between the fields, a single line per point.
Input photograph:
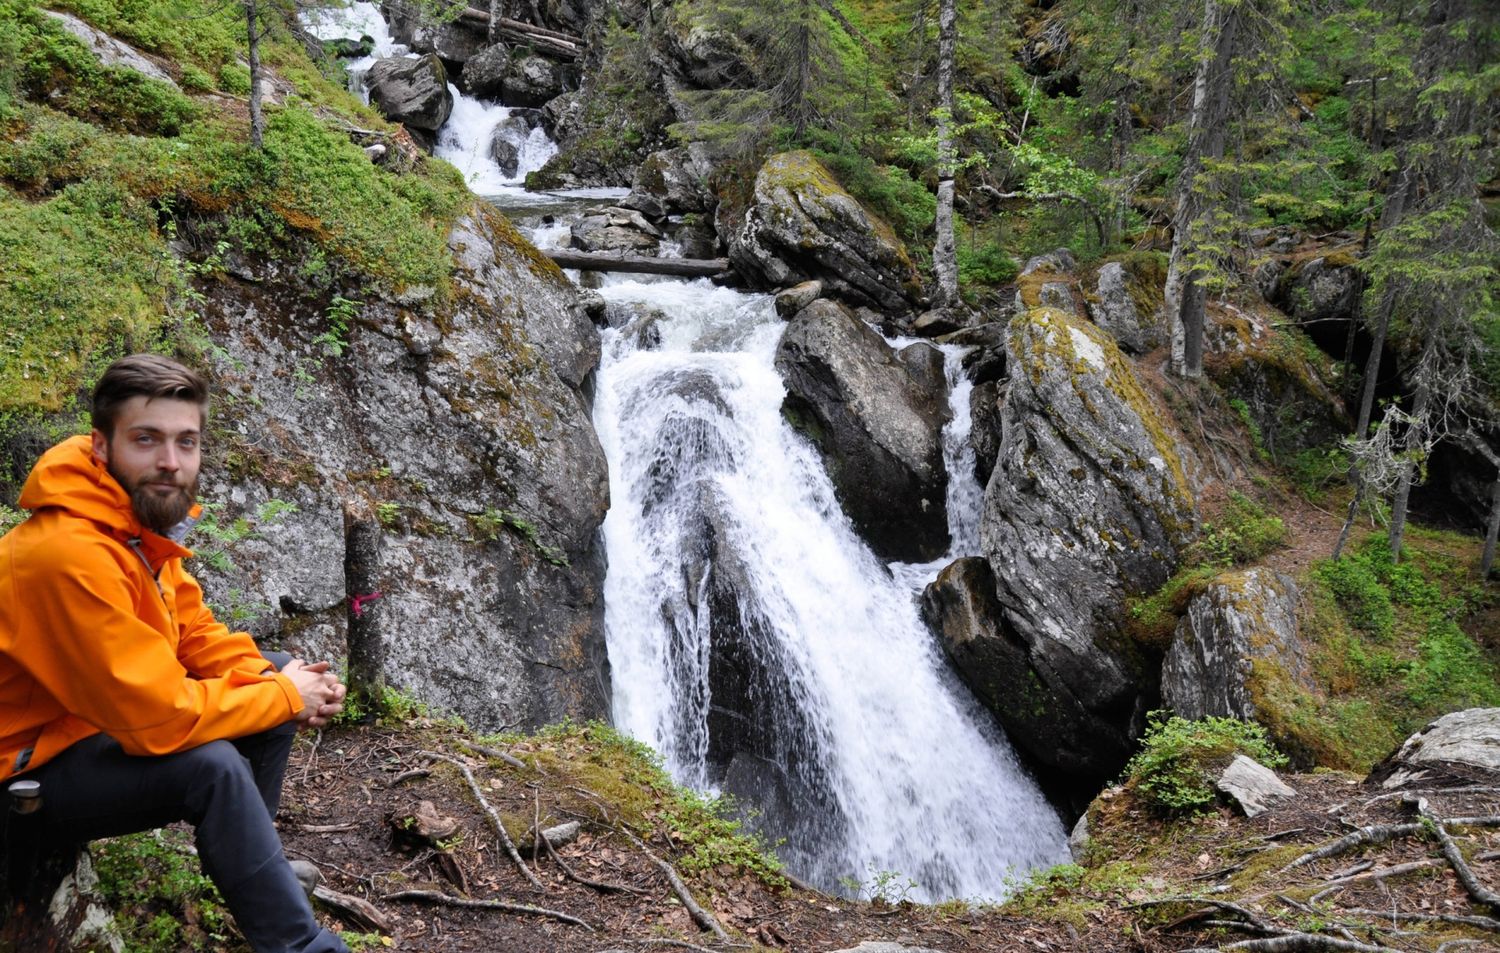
x=215 y=763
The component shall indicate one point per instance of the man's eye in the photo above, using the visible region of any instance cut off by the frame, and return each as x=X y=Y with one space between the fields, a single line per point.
x=188 y=443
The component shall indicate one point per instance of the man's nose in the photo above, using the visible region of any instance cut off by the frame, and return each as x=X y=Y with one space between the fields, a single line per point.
x=167 y=458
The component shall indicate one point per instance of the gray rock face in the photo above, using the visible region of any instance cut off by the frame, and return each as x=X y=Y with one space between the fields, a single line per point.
x=530 y=80
x=1319 y=289
x=411 y=92
x=1116 y=312
x=110 y=51
x=1088 y=500
x=455 y=41
x=619 y=230
x=483 y=467
x=703 y=55
x=802 y=224
x=985 y=428
x=878 y=429
x=1253 y=786
x=484 y=73
x=1047 y=724
x=562 y=115
x=1241 y=619
x=1460 y=746
x=669 y=182
x=505 y=154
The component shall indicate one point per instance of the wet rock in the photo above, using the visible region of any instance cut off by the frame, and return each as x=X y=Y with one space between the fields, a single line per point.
x=561 y=115
x=1089 y=500
x=669 y=183
x=794 y=299
x=877 y=426
x=481 y=409
x=484 y=73
x=1045 y=723
x=926 y=365
x=802 y=224
x=1286 y=386
x=110 y=51
x=937 y=322
x=506 y=155
x=616 y=230
x=1253 y=786
x=531 y=80
x=985 y=428
x=1127 y=304
x=1458 y=748
x=1240 y=620
x=986 y=362
x=411 y=92
x=455 y=41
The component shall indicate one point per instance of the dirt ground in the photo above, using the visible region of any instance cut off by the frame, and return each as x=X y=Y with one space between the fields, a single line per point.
x=354 y=807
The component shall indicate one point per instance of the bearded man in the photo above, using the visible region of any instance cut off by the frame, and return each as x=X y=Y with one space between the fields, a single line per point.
x=119 y=691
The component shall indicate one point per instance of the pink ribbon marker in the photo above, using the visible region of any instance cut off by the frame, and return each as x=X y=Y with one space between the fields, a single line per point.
x=357 y=603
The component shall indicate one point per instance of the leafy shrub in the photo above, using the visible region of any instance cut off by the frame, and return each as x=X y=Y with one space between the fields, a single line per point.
x=1357 y=587
x=1175 y=769
x=986 y=264
x=1243 y=533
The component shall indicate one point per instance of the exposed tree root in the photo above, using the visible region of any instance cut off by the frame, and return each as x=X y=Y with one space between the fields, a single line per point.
x=576 y=878
x=1374 y=834
x=1381 y=874
x=1297 y=943
x=1483 y=923
x=700 y=916
x=497 y=754
x=1478 y=892
x=432 y=896
x=494 y=818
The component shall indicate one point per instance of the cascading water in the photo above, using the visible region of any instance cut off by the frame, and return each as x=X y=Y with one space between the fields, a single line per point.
x=737 y=585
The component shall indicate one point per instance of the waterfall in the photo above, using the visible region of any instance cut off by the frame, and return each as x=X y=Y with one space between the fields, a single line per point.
x=737 y=584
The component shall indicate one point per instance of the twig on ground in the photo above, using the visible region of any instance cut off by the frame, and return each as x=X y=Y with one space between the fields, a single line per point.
x=691 y=946
x=1477 y=891
x=574 y=876
x=1381 y=874
x=700 y=916
x=326 y=828
x=536 y=827
x=355 y=910
x=1350 y=871
x=411 y=775
x=432 y=896
x=312 y=755
x=496 y=753
x=489 y=812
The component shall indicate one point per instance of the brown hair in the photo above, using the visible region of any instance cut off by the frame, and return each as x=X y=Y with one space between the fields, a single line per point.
x=144 y=375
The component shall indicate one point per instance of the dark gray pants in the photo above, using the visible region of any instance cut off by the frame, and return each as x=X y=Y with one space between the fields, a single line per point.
x=228 y=790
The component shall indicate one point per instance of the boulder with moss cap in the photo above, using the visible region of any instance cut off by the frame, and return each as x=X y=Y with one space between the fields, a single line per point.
x=1089 y=500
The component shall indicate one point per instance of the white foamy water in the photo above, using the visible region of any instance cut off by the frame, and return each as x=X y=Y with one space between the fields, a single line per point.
x=466 y=141
x=728 y=548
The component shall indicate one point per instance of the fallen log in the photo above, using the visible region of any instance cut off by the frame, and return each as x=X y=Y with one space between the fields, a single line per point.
x=545 y=40
x=639 y=264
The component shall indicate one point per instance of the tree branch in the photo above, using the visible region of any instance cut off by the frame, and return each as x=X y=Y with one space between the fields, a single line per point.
x=432 y=896
x=489 y=812
x=700 y=916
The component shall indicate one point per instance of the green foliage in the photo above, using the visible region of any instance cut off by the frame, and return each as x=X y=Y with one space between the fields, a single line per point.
x=1174 y=770
x=358 y=942
x=887 y=190
x=881 y=887
x=10 y=518
x=390 y=706
x=341 y=312
x=163 y=902
x=714 y=836
x=986 y=264
x=1241 y=534
x=1356 y=583
x=489 y=524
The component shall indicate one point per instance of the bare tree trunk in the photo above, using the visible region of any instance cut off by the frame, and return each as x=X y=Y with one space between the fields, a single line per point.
x=944 y=253
x=366 y=641
x=1187 y=299
x=254 y=34
x=1488 y=562
x=1414 y=442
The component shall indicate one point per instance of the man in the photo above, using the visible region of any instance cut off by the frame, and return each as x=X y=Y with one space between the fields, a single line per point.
x=119 y=691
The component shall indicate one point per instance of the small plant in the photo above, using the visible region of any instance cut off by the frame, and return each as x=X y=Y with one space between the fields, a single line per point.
x=393 y=706
x=388 y=513
x=489 y=524
x=10 y=518
x=1257 y=438
x=1174 y=770
x=341 y=313
x=162 y=899
x=882 y=887
x=1243 y=533
x=356 y=942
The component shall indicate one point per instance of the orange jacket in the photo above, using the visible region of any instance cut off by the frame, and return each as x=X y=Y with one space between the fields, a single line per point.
x=91 y=642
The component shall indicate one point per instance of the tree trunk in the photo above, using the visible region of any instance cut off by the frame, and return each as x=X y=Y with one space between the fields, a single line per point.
x=1414 y=443
x=944 y=253
x=1187 y=299
x=254 y=34
x=1490 y=537
x=366 y=641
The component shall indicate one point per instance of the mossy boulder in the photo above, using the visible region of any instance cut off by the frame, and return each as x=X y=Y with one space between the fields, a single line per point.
x=1239 y=621
x=1283 y=385
x=877 y=419
x=1089 y=500
x=1127 y=302
x=802 y=224
x=669 y=182
x=411 y=92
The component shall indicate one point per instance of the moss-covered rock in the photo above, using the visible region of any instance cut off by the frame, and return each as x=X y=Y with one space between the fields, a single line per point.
x=802 y=224
x=1089 y=500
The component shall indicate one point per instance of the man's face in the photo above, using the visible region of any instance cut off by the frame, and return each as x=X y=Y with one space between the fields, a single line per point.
x=154 y=454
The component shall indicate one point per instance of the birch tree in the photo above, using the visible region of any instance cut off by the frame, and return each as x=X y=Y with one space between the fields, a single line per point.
x=944 y=251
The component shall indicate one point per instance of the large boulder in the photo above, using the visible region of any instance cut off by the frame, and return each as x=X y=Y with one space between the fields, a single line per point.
x=802 y=224
x=413 y=92
x=1045 y=722
x=1321 y=289
x=110 y=51
x=484 y=470
x=484 y=73
x=1089 y=501
x=615 y=230
x=1127 y=303
x=703 y=54
x=455 y=41
x=878 y=428
x=1241 y=621
x=1460 y=747
x=669 y=182
x=1281 y=383
x=531 y=80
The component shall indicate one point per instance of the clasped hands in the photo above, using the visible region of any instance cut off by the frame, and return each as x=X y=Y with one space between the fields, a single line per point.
x=322 y=692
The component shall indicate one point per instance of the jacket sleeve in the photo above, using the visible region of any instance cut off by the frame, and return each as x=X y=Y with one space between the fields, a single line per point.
x=105 y=665
x=206 y=647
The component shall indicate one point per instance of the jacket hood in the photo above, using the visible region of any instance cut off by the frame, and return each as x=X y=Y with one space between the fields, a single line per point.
x=70 y=477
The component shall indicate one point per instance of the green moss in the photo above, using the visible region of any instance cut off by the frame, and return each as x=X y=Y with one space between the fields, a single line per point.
x=161 y=898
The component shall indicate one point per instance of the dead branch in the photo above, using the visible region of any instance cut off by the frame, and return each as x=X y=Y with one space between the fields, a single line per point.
x=700 y=916
x=1351 y=870
x=1483 y=923
x=411 y=775
x=432 y=896
x=489 y=752
x=1374 y=834
x=1381 y=874
x=1304 y=943
x=355 y=910
x=1478 y=892
x=691 y=946
x=576 y=878
x=489 y=812
x=326 y=828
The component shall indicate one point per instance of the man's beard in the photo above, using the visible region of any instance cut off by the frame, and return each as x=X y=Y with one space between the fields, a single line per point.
x=158 y=512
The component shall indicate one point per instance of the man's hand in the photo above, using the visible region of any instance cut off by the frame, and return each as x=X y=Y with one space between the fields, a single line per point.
x=322 y=692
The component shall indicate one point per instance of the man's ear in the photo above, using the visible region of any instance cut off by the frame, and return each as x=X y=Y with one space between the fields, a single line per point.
x=101 y=446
